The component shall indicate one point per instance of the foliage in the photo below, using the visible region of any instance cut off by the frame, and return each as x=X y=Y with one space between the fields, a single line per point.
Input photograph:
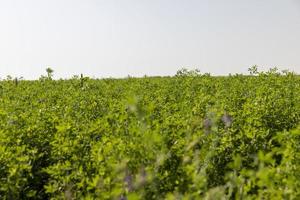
x=190 y=136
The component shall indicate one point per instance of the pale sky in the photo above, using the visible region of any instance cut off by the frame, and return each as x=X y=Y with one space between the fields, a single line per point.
x=116 y=38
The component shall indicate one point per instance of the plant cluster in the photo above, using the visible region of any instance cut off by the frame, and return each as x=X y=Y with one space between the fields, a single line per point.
x=190 y=136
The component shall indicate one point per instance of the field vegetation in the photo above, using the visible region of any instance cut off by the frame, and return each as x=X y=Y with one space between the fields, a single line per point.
x=190 y=136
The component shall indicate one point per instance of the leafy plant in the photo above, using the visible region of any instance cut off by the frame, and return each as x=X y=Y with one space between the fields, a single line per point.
x=190 y=136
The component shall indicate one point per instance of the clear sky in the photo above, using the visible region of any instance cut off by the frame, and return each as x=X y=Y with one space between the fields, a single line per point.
x=102 y=38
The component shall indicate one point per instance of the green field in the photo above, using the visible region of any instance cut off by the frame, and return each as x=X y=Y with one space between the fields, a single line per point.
x=190 y=136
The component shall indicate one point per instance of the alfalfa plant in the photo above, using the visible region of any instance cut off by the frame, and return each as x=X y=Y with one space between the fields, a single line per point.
x=49 y=73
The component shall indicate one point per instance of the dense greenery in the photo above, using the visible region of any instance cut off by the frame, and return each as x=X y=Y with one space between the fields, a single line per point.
x=190 y=136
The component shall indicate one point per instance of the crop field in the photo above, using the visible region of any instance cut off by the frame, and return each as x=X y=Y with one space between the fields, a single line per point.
x=189 y=136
